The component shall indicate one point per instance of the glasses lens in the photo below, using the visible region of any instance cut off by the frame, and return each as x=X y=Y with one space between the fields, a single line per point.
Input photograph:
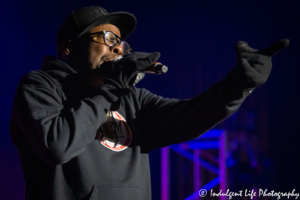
x=125 y=46
x=110 y=39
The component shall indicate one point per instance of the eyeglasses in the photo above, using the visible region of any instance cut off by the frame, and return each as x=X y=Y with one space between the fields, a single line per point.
x=110 y=39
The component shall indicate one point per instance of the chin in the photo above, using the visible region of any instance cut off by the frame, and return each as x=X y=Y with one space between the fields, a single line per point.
x=104 y=69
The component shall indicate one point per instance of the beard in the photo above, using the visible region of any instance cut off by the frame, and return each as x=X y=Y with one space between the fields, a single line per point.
x=97 y=76
x=103 y=70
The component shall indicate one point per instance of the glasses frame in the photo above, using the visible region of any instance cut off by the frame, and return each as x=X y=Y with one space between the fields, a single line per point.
x=118 y=39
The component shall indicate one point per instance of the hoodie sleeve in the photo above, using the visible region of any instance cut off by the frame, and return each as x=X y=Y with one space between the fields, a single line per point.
x=171 y=121
x=55 y=133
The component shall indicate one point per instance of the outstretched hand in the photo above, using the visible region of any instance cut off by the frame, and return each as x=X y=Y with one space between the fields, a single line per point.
x=254 y=66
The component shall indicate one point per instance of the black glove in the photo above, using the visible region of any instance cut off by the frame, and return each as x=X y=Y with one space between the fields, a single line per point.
x=126 y=69
x=254 y=66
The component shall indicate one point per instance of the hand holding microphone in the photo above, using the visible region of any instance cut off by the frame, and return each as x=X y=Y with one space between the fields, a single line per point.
x=155 y=68
x=126 y=69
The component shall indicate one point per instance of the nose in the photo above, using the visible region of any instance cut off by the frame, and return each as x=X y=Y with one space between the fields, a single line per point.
x=117 y=49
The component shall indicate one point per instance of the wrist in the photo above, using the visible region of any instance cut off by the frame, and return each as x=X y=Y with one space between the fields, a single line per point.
x=236 y=86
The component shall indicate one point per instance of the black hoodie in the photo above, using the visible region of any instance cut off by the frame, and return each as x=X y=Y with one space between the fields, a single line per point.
x=64 y=151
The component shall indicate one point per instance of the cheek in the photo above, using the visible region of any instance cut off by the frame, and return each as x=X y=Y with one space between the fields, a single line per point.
x=96 y=53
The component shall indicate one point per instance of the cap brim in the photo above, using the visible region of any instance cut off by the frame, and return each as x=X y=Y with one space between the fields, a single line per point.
x=125 y=21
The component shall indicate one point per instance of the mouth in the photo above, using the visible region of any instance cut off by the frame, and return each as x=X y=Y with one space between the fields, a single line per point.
x=106 y=61
x=110 y=60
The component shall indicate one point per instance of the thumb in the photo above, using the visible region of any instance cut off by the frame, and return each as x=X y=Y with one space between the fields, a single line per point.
x=242 y=46
x=145 y=62
x=275 y=47
x=153 y=57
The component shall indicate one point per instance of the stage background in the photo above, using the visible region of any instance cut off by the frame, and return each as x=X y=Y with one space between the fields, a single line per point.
x=196 y=40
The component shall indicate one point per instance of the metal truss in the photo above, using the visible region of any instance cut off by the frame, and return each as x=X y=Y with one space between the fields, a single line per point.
x=213 y=139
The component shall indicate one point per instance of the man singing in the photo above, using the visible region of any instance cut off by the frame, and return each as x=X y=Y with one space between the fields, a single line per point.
x=84 y=131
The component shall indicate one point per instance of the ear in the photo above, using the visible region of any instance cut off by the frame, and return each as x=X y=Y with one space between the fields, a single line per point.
x=69 y=49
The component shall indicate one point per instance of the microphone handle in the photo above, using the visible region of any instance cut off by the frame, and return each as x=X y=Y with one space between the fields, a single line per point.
x=156 y=68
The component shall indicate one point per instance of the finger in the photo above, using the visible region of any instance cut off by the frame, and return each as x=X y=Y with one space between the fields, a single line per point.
x=275 y=47
x=259 y=68
x=246 y=67
x=254 y=57
x=242 y=46
x=140 y=55
x=250 y=74
x=153 y=57
x=145 y=62
x=127 y=63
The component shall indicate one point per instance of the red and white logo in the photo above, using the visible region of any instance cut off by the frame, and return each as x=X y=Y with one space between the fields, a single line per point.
x=115 y=125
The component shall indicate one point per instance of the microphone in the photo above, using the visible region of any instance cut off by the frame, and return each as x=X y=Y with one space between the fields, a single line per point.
x=155 y=68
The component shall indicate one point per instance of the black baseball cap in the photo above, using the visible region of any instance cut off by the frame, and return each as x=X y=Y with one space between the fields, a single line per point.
x=82 y=20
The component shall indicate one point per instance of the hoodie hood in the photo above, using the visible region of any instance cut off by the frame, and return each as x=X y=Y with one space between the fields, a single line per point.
x=50 y=63
x=66 y=76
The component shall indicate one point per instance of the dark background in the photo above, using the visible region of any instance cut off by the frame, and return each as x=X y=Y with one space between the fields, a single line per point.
x=196 y=40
